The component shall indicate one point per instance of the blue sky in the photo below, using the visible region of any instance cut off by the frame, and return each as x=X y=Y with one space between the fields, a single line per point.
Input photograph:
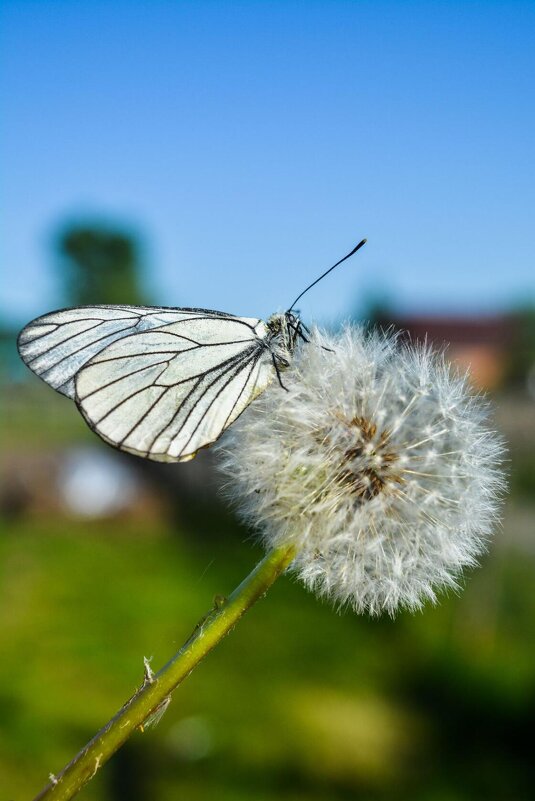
x=252 y=144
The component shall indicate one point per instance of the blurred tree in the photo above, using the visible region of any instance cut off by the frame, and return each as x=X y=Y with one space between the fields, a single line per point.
x=521 y=356
x=99 y=265
x=376 y=309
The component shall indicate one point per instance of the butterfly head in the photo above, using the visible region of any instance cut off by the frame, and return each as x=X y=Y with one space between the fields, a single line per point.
x=286 y=329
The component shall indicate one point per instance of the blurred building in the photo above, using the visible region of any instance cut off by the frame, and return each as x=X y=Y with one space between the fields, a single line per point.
x=480 y=344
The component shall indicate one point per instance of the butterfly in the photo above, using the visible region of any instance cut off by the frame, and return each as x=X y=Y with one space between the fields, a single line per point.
x=161 y=382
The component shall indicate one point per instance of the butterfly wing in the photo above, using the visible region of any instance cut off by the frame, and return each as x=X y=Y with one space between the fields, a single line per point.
x=56 y=345
x=165 y=393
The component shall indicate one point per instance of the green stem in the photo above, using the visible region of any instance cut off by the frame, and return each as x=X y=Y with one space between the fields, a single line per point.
x=154 y=694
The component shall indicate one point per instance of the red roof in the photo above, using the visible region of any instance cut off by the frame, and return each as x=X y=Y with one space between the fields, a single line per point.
x=489 y=330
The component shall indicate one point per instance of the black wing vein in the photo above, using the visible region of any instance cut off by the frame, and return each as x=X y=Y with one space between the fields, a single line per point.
x=219 y=375
x=232 y=377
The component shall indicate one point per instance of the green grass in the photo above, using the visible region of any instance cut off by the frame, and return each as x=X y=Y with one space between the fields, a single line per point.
x=299 y=702
x=33 y=416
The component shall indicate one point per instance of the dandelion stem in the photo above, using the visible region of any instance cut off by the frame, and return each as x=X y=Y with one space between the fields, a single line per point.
x=154 y=693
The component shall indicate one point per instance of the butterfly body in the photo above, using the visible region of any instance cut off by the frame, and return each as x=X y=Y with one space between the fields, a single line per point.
x=159 y=382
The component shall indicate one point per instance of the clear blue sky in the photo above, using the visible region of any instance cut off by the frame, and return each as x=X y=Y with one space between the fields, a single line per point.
x=252 y=144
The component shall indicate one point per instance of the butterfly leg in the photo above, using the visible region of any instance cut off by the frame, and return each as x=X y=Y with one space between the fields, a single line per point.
x=277 y=370
x=302 y=327
x=298 y=331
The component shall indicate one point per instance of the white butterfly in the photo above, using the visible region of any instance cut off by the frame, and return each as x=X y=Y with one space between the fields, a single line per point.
x=160 y=382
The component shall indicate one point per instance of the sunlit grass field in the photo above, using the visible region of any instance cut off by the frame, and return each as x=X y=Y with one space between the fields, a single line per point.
x=299 y=702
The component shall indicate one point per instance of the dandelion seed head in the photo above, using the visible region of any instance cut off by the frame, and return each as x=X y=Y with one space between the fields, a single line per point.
x=377 y=463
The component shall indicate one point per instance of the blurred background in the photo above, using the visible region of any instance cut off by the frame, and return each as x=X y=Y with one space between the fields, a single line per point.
x=223 y=154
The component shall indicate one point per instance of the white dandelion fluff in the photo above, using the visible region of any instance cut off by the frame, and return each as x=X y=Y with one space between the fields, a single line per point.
x=377 y=463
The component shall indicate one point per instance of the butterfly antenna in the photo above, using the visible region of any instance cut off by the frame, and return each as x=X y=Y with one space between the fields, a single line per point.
x=360 y=244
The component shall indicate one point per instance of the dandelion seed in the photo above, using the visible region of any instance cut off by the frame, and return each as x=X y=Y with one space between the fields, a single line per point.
x=377 y=463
